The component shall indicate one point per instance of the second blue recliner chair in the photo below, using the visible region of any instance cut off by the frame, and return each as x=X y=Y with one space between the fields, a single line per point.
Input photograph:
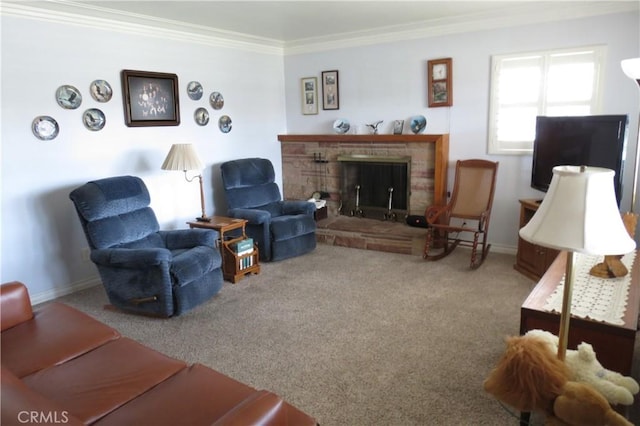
x=281 y=228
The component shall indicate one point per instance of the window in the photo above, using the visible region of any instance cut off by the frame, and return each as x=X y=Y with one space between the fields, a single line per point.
x=523 y=86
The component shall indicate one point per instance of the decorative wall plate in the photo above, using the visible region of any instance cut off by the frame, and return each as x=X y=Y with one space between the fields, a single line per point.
x=418 y=123
x=194 y=90
x=224 y=123
x=68 y=97
x=101 y=90
x=201 y=116
x=94 y=119
x=341 y=126
x=216 y=100
x=45 y=128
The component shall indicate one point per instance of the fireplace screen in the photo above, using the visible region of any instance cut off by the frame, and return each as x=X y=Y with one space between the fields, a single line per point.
x=374 y=186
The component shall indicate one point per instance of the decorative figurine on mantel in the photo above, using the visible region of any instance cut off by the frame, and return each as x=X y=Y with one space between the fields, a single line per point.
x=374 y=126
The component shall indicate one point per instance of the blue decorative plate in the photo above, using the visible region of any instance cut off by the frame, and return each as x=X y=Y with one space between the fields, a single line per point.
x=194 y=90
x=341 y=126
x=224 y=123
x=94 y=119
x=418 y=123
x=68 y=97
x=101 y=91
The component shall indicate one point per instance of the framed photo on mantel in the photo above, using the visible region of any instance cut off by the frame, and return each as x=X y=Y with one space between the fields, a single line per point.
x=440 y=83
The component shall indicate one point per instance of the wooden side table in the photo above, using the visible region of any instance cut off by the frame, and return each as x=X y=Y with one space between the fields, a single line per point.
x=233 y=268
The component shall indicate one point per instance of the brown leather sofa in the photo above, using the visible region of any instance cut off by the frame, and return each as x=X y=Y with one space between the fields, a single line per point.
x=60 y=366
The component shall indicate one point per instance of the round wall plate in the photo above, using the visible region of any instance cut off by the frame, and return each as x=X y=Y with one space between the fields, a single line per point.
x=94 y=119
x=45 y=128
x=68 y=97
x=101 y=91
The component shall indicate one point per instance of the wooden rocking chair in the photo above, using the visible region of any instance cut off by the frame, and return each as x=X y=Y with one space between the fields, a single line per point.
x=471 y=200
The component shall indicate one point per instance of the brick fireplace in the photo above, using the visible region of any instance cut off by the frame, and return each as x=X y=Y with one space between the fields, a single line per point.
x=311 y=163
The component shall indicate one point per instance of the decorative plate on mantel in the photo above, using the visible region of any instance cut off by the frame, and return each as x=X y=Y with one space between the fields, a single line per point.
x=341 y=126
x=418 y=123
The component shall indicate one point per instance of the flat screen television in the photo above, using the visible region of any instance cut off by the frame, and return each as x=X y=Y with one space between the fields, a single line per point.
x=592 y=140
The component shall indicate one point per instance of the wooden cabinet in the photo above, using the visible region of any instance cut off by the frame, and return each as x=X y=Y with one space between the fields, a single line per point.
x=531 y=259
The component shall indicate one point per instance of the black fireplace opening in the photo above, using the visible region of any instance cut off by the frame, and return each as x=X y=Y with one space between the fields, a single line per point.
x=375 y=187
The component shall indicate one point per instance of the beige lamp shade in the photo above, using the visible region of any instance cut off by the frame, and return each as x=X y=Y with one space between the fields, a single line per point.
x=182 y=156
x=579 y=213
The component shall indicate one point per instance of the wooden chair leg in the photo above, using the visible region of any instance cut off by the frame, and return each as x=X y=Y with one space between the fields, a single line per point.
x=427 y=243
x=474 y=251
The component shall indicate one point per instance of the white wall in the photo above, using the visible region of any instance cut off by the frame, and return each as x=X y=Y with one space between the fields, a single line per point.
x=388 y=82
x=41 y=235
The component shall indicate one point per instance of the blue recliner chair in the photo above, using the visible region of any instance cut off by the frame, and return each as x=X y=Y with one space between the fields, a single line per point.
x=281 y=229
x=145 y=270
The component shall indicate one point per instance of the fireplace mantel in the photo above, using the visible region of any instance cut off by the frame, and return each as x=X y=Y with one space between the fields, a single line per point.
x=301 y=175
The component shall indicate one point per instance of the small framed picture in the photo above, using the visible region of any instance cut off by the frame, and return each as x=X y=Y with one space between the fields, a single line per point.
x=150 y=98
x=309 y=95
x=330 y=90
x=397 y=127
x=440 y=83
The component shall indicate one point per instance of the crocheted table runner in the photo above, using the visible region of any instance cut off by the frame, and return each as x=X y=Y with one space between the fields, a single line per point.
x=595 y=298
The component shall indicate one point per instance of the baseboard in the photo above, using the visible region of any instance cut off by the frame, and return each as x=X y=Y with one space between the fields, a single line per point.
x=46 y=296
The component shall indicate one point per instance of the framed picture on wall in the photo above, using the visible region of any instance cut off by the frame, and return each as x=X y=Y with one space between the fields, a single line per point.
x=150 y=98
x=330 y=90
x=440 y=83
x=309 y=95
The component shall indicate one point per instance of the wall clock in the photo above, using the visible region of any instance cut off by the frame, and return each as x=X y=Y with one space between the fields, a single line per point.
x=440 y=83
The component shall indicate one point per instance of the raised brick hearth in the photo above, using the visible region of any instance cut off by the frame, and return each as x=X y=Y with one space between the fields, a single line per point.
x=371 y=234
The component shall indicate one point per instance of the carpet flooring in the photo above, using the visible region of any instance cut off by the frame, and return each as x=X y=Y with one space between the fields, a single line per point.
x=354 y=337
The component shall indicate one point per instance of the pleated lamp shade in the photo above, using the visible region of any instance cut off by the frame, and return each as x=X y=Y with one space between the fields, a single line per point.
x=182 y=156
x=579 y=213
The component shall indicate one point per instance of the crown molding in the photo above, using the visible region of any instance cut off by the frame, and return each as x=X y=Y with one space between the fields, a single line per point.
x=79 y=14
x=83 y=15
x=525 y=14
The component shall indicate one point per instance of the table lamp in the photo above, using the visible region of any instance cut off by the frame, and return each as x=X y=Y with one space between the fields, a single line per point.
x=182 y=156
x=579 y=214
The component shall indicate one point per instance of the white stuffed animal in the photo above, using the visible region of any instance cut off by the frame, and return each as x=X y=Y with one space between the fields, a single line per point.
x=584 y=367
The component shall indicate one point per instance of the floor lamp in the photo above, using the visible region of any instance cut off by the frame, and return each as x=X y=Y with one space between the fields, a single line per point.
x=579 y=214
x=182 y=156
x=631 y=68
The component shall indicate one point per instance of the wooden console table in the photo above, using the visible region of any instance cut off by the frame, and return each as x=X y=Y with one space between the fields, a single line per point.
x=613 y=344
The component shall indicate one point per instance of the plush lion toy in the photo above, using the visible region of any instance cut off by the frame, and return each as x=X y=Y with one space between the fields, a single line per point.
x=585 y=367
x=530 y=378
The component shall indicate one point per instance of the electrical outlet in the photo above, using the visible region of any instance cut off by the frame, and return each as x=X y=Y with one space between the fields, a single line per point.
x=85 y=254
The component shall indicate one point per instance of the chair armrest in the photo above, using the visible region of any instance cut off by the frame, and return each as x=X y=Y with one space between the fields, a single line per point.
x=131 y=258
x=189 y=238
x=15 y=305
x=298 y=207
x=433 y=213
x=254 y=216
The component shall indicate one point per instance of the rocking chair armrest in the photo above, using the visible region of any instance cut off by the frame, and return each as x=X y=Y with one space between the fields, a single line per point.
x=433 y=213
